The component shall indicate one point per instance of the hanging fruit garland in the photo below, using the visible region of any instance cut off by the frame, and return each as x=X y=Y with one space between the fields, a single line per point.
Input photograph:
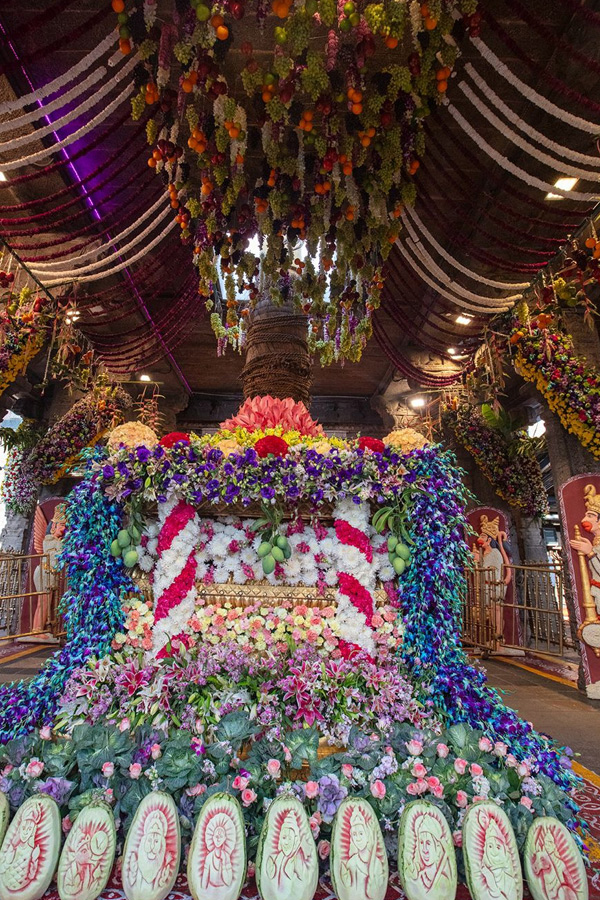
x=23 y=329
x=289 y=154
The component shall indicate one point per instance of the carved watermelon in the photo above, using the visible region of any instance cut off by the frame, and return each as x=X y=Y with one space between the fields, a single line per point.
x=216 y=868
x=491 y=856
x=553 y=864
x=88 y=855
x=152 y=849
x=287 y=867
x=359 y=865
x=30 y=850
x=4 y=815
x=426 y=856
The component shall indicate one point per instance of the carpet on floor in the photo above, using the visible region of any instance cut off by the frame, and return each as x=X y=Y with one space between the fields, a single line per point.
x=589 y=799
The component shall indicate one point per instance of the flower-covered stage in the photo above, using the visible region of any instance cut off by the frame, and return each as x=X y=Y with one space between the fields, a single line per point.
x=263 y=672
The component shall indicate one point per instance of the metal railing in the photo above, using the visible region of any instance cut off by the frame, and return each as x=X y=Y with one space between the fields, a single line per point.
x=30 y=591
x=535 y=618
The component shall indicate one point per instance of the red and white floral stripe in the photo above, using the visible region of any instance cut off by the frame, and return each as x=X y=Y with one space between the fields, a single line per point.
x=174 y=582
x=356 y=574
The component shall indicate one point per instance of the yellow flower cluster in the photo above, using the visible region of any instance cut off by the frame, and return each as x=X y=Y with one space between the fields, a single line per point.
x=232 y=441
x=132 y=434
x=405 y=439
x=19 y=361
x=585 y=433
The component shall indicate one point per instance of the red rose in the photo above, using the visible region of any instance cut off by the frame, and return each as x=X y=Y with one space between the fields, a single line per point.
x=373 y=444
x=174 y=437
x=349 y=650
x=271 y=444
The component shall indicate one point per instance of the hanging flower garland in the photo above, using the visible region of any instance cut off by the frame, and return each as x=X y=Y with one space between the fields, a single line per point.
x=18 y=491
x=340 y=132
x=516 y=478
x=23 y=329
x=546 y=357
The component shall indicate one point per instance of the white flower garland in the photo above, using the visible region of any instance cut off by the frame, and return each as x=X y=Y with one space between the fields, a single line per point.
x=518 y=141
x=506 y=164
x=96 y=98
x=446 y=279
x=507 y=112
x=76 y=136
x=83 y=270
x=474 y=276
x=70 y=75
x=41 y=111
x=533 y=96
x=440 y=290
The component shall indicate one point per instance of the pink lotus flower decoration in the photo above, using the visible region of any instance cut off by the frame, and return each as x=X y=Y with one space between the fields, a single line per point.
x=258 y=413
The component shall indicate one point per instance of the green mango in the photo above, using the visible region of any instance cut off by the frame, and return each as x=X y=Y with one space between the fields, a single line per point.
x=399 y=565
x=124 y=538
x=264 y=549
x=136 y=534
x=278 y=554
x=403 y=552
x=130 y=558
x=115 y=548
x=268 y=564
x=287 y=552
x=282 y=542
x=392 y=543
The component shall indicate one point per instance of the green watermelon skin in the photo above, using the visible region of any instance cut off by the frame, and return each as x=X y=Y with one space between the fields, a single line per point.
x=4 y=815
x=470 y=855
x=447 y=887
x=341 y=876
x=15 y=856
x=267 y=857
x=88 y=880
x=572 y=868
x=158 y=889
x=204 y=891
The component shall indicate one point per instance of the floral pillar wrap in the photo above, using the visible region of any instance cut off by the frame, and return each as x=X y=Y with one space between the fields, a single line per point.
x=175 y=574
x=356 y=574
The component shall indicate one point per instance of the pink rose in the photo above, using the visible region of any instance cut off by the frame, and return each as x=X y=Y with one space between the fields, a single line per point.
x=274 y=768
x=419 y=770
x=438 y=790
x=124 y=725
x=46 y=733
x=442 y=751
x=412 y=788
x=311 y=789
x=196 y=791
x=421 y=785
x=347 y=770
x=109 y=795
x=432 y=782
x=461 y=799
x=135 y=770
x=460 y=765
x=457 y=838
x=156 y=751
x=248 y=796
x=500 y=748
x=240 y=783
x=7 y=769
x=34 y=768
x=378 y=789
x=523 y=770
x=108 y=769
x=526 y=802
x=475 y=770
x=66 y=825
x=287 y=754
x=485 y=745
x=414 y=747
x=511 y=761
x=323 y=849
x=315 y=826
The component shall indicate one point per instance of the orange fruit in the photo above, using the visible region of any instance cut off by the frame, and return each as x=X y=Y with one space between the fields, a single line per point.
x=391 y=42
x=442 y=86
x=430 y=23
x=187 y=86
x=118 y=6
x=222 y=32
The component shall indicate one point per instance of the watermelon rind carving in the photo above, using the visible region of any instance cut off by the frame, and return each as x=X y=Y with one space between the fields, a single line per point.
x=287 y=866
x=490 y=853
x=553 y=864
x=30 y=849
x=217 y=863
x=359 y=865
x=426 y=855
x=152 y=849
x=88 y=854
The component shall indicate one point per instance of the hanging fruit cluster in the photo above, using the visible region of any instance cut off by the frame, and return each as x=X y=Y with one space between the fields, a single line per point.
x=331 y=102
x=125 y=543
x=275 y=548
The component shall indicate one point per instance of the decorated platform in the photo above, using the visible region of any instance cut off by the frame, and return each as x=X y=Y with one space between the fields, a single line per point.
x=263 y=676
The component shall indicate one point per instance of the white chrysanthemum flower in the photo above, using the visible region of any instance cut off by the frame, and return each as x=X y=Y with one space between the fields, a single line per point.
x=146 y=563
x=331 y=577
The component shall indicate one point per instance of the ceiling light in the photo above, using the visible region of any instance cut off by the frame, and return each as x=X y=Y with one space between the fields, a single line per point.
x=565 y=184
x=417 y=402
x=145 y=378
x=3 y=177
x=464 y=320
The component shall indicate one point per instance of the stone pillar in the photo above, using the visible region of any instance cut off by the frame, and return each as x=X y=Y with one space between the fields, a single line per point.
x=277 y=358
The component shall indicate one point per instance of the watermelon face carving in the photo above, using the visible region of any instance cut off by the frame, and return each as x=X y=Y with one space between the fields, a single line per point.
x=88 y=855
x=553 y=864
x=152 y=849
x=30 y=850
x=491 y=856
x=4 y=815
x=217 y=861
x=426 y=857
x=287 y=867
x=359 y=866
